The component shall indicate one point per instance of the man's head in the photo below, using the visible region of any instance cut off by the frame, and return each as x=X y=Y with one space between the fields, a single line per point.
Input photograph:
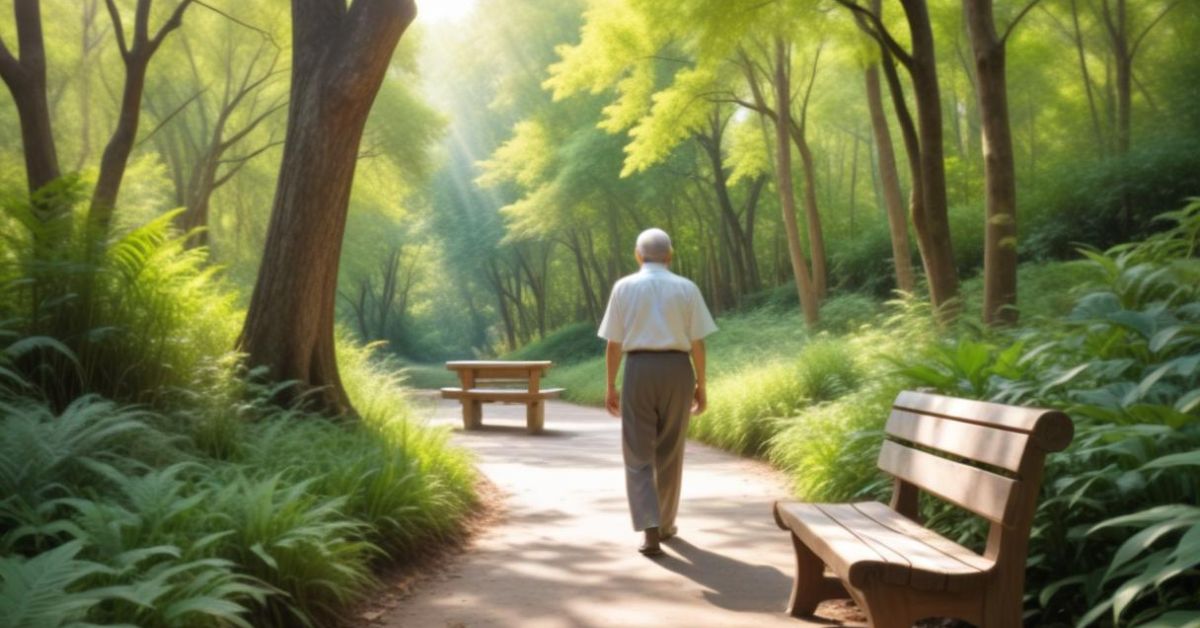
x=653 y=245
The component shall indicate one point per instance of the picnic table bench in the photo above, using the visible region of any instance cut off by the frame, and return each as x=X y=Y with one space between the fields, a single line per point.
x=473 y=373
x=984 y=457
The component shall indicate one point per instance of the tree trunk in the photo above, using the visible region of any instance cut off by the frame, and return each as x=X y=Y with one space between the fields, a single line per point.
x=787 y=198
x=1077 y=37
x=816 y=233
x=340 y=56
x=1000 y=230
x=26 y=81
x=933 y=225
x=890 y=182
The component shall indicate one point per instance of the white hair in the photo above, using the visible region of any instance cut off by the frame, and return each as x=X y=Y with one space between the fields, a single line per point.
x=654 y=245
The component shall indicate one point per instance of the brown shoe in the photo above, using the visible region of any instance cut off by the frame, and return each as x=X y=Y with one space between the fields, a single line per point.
x=650 y=550
x=650 y=547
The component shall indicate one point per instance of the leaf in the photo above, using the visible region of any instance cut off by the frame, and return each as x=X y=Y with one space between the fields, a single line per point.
x=1187 y=458
x=265 y=556
x=1174 y=619
x=1064 y=377
x=1150 y=515
x=1140 y=542
x=1188 y=402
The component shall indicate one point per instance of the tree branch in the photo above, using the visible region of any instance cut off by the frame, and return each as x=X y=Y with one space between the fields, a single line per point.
x=1017 y=20
x=171 y=24
x=878 y=31
x=1137 y=41
x=266 y=35
x=162 y=123
x=118 y=28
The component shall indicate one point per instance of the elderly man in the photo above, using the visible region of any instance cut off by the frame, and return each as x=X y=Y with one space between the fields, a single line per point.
x=656 y=320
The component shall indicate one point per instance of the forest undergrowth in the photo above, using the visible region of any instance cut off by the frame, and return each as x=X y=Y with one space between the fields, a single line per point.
x=147 y=479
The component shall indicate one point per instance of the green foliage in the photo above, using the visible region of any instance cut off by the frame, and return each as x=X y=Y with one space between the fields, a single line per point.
x=207 y=505
x=568 y=345
x=138 y=317
x=1113 y=533
x=1113 y=201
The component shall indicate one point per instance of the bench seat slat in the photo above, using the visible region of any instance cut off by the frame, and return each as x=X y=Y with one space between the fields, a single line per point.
x=999 y=448
x=898 y=522
x=500 y=394
x=981 y=492
x=859 y=548
x=837 y=546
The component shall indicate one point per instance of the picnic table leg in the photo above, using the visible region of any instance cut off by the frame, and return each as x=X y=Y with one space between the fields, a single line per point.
x=472 y=408
x=535 y=416
x=472 y=414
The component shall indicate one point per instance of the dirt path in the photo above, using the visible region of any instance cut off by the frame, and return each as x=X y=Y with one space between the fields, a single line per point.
x=563 y=552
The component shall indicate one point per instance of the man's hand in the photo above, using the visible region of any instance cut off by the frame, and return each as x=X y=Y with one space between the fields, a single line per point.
x=699 y=401
x=612 y=401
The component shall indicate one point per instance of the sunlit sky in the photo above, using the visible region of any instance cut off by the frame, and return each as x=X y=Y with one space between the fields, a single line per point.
x=429 y=11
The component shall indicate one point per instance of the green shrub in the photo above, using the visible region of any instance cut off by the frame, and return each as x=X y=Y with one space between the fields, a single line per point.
x=139 y=315
x=865 y=262
x=570 y=344
x=829 y=450
x=845 y=313
x=1102 y=204
x=205 y=505
x=1114 y=530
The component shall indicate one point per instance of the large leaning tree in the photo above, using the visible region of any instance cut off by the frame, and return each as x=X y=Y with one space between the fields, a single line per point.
x=340 y=55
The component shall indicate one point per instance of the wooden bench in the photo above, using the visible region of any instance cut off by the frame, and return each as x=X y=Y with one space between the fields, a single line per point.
x=472 y=373
x=984 y=457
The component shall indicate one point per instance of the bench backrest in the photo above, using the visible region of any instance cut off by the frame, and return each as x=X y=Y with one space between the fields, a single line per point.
x=984 y=457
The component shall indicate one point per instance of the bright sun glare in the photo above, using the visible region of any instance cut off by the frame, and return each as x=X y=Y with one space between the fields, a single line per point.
x=429 y=11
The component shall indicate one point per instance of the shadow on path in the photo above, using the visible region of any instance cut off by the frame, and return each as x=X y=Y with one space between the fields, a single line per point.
x=731 y=584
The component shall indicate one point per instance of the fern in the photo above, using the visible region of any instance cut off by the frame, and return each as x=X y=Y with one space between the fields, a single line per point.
x=35 y=593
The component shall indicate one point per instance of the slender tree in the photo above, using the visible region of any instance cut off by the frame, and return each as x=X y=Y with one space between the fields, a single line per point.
x=922 y=143
x=1000 y=177
x=25 y=77
x=787 y=198
x=889 y=180
x=340 y=55
x=136 y=51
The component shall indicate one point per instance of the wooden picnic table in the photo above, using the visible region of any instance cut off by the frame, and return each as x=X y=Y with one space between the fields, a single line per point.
x=479 y=382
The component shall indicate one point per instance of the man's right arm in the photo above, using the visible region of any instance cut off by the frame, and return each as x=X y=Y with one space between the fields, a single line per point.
x=612 y=363
x=700 y=400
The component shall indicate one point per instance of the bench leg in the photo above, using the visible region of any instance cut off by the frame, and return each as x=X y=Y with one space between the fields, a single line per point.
x=472 y=414
x=811 y=586
x=535 y=416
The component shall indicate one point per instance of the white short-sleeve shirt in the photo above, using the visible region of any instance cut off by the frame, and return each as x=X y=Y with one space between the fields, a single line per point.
x=656 y=310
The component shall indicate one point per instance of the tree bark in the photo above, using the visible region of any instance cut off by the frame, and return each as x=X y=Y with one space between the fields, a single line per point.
x=136 y=55
x=933 y=224
x=787 y=199
x=340 y=56
x=1000 y=183
x=26 y=81
x=890 y=182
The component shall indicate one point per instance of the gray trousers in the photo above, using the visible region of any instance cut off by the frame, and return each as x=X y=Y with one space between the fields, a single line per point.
x=656 y=402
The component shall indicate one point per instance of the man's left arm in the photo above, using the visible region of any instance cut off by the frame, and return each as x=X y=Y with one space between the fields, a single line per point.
x=700 y=399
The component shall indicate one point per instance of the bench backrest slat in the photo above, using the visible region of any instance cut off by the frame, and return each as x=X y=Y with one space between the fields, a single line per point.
x=981 y=492
x=997 y=447
x=1050 y=430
